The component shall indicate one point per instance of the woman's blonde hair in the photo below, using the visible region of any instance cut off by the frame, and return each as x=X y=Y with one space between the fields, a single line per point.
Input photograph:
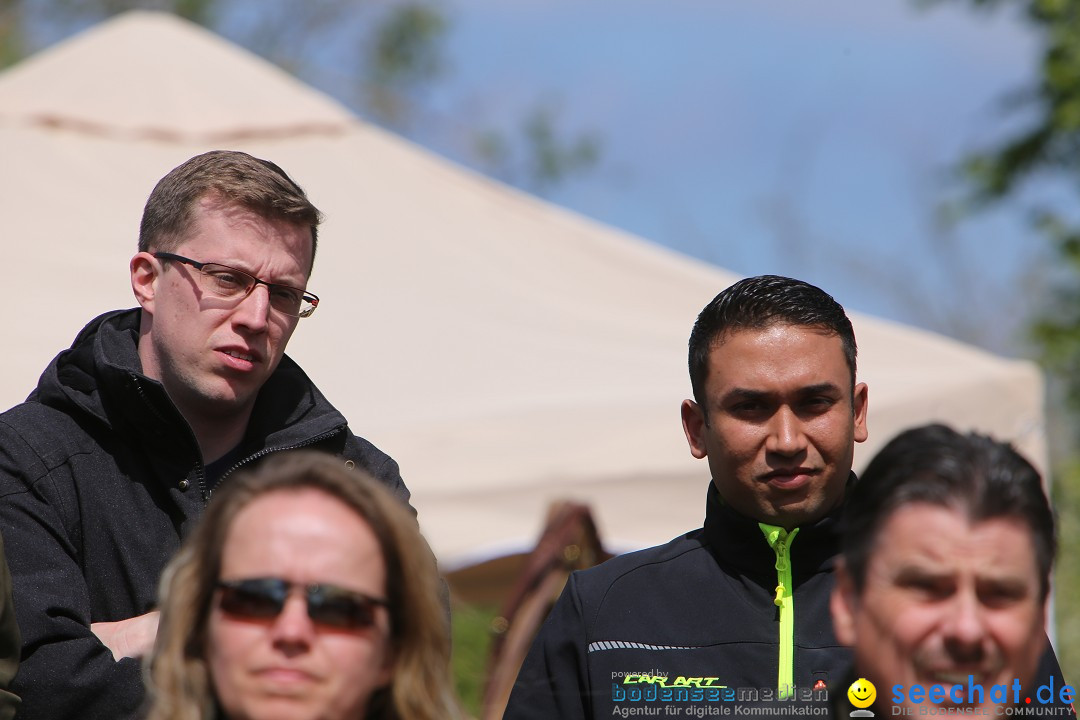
x=177 y=674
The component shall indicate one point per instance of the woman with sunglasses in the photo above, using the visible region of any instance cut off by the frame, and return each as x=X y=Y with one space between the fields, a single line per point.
x=306 y=592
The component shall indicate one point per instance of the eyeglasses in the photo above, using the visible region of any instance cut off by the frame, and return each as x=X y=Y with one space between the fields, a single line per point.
x=232 y=284
x=327 y=605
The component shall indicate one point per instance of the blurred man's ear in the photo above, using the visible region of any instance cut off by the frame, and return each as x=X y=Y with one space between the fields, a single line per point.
x=693 y=423
x=843 y=604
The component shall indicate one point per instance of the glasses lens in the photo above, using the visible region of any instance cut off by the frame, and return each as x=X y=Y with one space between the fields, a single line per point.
x=308 y=305
x=338 y=608
x=260 y=599
x=286 y=300
x=327 y=605
x=226 y=282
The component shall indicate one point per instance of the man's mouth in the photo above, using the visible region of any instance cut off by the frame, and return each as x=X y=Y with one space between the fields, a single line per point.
x=240 y=355
x=240 y=358
x=977 y=676
x=788 y=476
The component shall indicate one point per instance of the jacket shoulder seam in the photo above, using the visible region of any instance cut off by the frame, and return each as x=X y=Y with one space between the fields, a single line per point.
x=609 y=583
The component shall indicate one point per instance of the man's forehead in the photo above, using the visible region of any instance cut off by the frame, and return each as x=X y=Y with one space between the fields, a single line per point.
x=932 y=539
x=810 y=354
x=238 y=211
x=724 y=337
x=275 y=229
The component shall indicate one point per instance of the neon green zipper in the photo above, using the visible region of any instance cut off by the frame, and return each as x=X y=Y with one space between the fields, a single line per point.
x=780 y=541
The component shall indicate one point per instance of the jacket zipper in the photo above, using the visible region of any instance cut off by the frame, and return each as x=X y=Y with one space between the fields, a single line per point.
x=207 y=492
x=200 y=471
x=780 y=541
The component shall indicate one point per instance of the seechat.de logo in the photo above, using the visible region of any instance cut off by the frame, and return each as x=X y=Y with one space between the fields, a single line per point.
x=1011 y=695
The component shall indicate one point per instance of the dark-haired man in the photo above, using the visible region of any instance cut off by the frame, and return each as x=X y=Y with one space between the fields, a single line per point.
x=944 y=579
x=112 y=459
x=736 y=612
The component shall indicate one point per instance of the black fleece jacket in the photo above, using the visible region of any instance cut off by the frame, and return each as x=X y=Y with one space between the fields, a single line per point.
x=100 y=480
x=699 y=608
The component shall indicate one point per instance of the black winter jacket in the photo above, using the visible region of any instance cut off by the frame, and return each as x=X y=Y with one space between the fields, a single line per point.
x=698 y=611
x=100 y=479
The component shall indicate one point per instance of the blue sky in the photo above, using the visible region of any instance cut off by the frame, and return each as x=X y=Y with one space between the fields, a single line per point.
x=810 y=139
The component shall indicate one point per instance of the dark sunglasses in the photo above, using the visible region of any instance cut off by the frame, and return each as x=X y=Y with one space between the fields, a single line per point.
x=327 y=605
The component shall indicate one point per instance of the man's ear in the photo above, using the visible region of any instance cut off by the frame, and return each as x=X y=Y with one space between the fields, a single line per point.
x=843 y=603
x=861 y=401
x=693 y=423
x=145 y=271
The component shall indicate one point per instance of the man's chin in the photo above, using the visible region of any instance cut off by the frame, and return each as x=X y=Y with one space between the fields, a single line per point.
x=796 y=513
x=225 y=403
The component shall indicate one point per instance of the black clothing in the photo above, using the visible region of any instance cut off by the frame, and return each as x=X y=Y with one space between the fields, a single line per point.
x=699 y=611
x=9 y=642
x=100 y=479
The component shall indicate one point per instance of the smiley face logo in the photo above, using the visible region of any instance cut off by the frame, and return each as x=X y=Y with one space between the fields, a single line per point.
x=862 y=693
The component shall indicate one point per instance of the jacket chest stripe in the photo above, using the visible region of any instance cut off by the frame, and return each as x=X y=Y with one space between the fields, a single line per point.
x=624 y=645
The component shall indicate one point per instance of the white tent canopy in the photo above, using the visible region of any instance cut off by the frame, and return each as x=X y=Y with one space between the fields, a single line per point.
x=504 y=351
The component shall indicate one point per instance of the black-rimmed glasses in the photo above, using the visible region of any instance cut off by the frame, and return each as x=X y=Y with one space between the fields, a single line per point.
x=231 y=284
x=327 y=605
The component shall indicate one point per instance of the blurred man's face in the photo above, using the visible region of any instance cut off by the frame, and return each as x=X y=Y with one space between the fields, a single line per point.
x=781 y=422
x=944 y=599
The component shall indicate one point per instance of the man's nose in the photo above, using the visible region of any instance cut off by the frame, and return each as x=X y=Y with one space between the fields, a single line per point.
x=786 y=436
x=964 y=627
x=253 y=311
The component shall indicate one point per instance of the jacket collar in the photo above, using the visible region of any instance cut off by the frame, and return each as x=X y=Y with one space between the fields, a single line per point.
x=101 y=376
x=737 y=542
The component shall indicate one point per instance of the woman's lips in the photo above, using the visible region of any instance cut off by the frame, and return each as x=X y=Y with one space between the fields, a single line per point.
x=286 y=676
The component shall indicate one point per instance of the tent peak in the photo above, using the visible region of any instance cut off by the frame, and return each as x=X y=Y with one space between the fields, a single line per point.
x=153 y=75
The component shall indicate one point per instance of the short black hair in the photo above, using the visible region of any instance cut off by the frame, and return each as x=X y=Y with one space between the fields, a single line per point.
x=937 y=465
x=760 y=302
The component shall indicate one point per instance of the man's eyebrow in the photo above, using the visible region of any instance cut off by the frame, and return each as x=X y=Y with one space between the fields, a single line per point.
x=1000 y=582
x=276 y=280
x=820 y=388
x=743 y=394
x=910 y=572
x=1004 y=583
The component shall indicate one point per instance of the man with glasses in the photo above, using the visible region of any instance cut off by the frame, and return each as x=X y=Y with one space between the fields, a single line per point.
x=112 y=459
